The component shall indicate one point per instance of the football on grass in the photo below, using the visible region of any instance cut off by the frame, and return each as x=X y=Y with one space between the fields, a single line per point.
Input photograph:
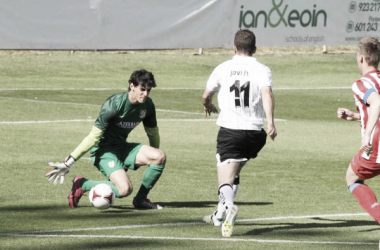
x=101 y=196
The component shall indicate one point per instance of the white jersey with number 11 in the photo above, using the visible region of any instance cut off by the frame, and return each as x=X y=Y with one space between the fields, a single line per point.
x=239 y=82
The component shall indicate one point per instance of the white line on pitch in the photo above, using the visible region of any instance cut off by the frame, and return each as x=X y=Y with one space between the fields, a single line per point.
x=179 y=112
x=50 y=233
x=92 y=120
x=91 y=89
x=304 y=217
x=96 y=105
x=187 y=238
x=195 y=223
x=311 y=88
x=160 y=88
x=55 y=89
x=53 y=121
x=49 y=102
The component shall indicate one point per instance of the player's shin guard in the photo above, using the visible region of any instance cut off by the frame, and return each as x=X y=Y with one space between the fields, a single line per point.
x=236 y=184
x=366 y=198
x=150 y=177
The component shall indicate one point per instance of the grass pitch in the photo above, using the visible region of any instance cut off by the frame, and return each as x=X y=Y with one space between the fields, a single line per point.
x=293 y=196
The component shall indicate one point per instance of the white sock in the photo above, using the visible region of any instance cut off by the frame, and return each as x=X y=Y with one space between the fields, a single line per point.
x=226 y=199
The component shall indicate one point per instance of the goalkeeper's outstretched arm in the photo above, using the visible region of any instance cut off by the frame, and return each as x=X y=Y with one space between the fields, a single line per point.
x=91 y=139
x=60 y=169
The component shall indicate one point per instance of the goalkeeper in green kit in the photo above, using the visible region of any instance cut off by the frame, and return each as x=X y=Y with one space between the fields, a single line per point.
x=109 y=150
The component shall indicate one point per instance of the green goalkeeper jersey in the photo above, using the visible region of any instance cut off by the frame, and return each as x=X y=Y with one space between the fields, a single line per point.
x=118 y=117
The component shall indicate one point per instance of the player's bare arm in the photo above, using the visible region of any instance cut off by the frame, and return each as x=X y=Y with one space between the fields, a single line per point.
x=346 y=114
x=207 y=104
x=268 y=105
x=374 y=113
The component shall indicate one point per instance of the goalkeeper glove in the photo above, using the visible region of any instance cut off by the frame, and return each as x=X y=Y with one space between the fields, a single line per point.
x=60 y=169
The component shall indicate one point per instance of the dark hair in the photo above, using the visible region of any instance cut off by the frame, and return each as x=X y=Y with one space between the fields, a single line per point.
x=142 y=77
x=245 y=42
x=369 y=47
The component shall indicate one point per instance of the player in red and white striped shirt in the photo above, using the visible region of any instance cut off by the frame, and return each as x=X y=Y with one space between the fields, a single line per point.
x=366 y=163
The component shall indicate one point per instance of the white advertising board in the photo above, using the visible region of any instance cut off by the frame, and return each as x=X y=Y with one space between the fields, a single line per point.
x=309 y=22
x=173 y=24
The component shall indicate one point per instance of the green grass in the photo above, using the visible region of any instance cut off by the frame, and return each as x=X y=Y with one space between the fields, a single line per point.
x=300 y=174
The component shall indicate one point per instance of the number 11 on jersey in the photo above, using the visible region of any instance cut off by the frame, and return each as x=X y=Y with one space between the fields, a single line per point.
x=238 y=90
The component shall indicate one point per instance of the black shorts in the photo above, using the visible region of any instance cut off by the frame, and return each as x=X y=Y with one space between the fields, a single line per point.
x=238 y=144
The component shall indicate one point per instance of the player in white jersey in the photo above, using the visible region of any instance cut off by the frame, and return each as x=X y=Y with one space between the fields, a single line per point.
x=366 y=163
x=244 y=89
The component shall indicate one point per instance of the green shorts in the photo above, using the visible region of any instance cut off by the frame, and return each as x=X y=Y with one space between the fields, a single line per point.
x=108 y=161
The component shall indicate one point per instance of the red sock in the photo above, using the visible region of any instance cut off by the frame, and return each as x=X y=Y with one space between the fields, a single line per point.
x=367 y=199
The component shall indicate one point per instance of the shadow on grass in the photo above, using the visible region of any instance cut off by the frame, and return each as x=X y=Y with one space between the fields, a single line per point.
x=39 y=208
x=306 y=227
x=201 y=204
x=95 y=243
x=124 y=208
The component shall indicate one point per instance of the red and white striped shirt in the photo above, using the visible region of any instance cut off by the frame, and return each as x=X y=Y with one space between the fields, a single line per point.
x=362 y=88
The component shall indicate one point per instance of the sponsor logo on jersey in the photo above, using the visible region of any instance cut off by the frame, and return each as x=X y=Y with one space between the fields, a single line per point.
x=142 y=113
x=127 y=125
